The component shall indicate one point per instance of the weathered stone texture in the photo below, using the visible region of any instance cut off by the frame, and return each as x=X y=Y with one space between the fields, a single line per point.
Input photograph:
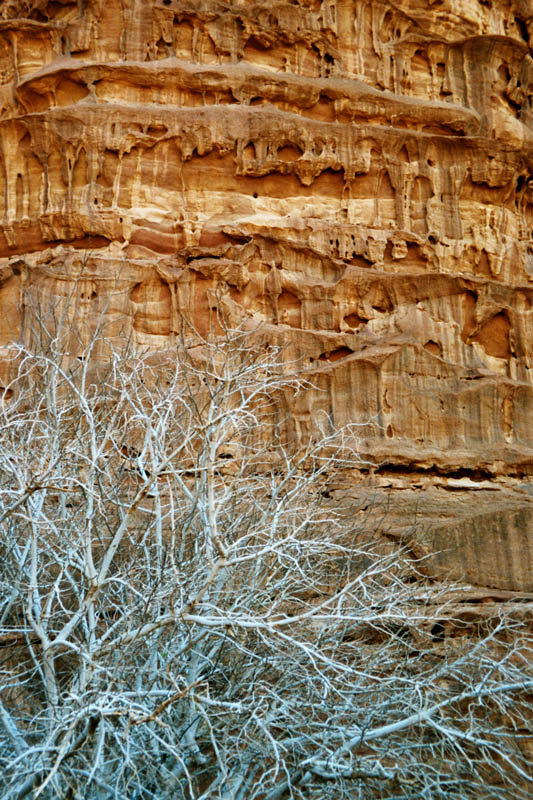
x=355 y=173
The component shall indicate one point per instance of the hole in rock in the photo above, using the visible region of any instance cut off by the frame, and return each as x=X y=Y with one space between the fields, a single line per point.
x=289 y=309
x=38 y=16
x=483 y=266
x=20 y=196
x=157 y=130
x=257 y=43
x=249 y=152
x=383 y=305
x=503 y=72
x=469 y=305
x=404 y=155
x=323 y=110
x=92 y=294
x=493 y=336
x=90 y=242
x=437 y=632
x=69 y=92
x=329 y=65
x=516 y=107
x=354 y=320
x=289 y=153
x=402 y=469
x=433 y=347
x=522 y=29
x=336 y=355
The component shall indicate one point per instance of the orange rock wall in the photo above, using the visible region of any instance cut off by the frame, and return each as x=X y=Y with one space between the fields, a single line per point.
x=354 y=173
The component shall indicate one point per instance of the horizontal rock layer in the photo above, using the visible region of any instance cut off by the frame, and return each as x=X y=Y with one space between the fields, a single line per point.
x=354 y=174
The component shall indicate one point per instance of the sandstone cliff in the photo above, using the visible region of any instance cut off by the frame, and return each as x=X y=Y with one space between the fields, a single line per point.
x=357 y=174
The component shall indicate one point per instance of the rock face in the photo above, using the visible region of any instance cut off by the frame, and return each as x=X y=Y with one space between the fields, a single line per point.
x=357 y=174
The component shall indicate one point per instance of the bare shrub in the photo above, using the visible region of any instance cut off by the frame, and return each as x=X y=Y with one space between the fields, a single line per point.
x=185 y=614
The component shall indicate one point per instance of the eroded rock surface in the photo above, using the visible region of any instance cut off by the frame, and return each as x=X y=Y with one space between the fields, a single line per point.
x=356 y=174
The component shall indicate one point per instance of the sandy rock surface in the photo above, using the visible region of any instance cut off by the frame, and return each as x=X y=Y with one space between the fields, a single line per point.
x=354 y=174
